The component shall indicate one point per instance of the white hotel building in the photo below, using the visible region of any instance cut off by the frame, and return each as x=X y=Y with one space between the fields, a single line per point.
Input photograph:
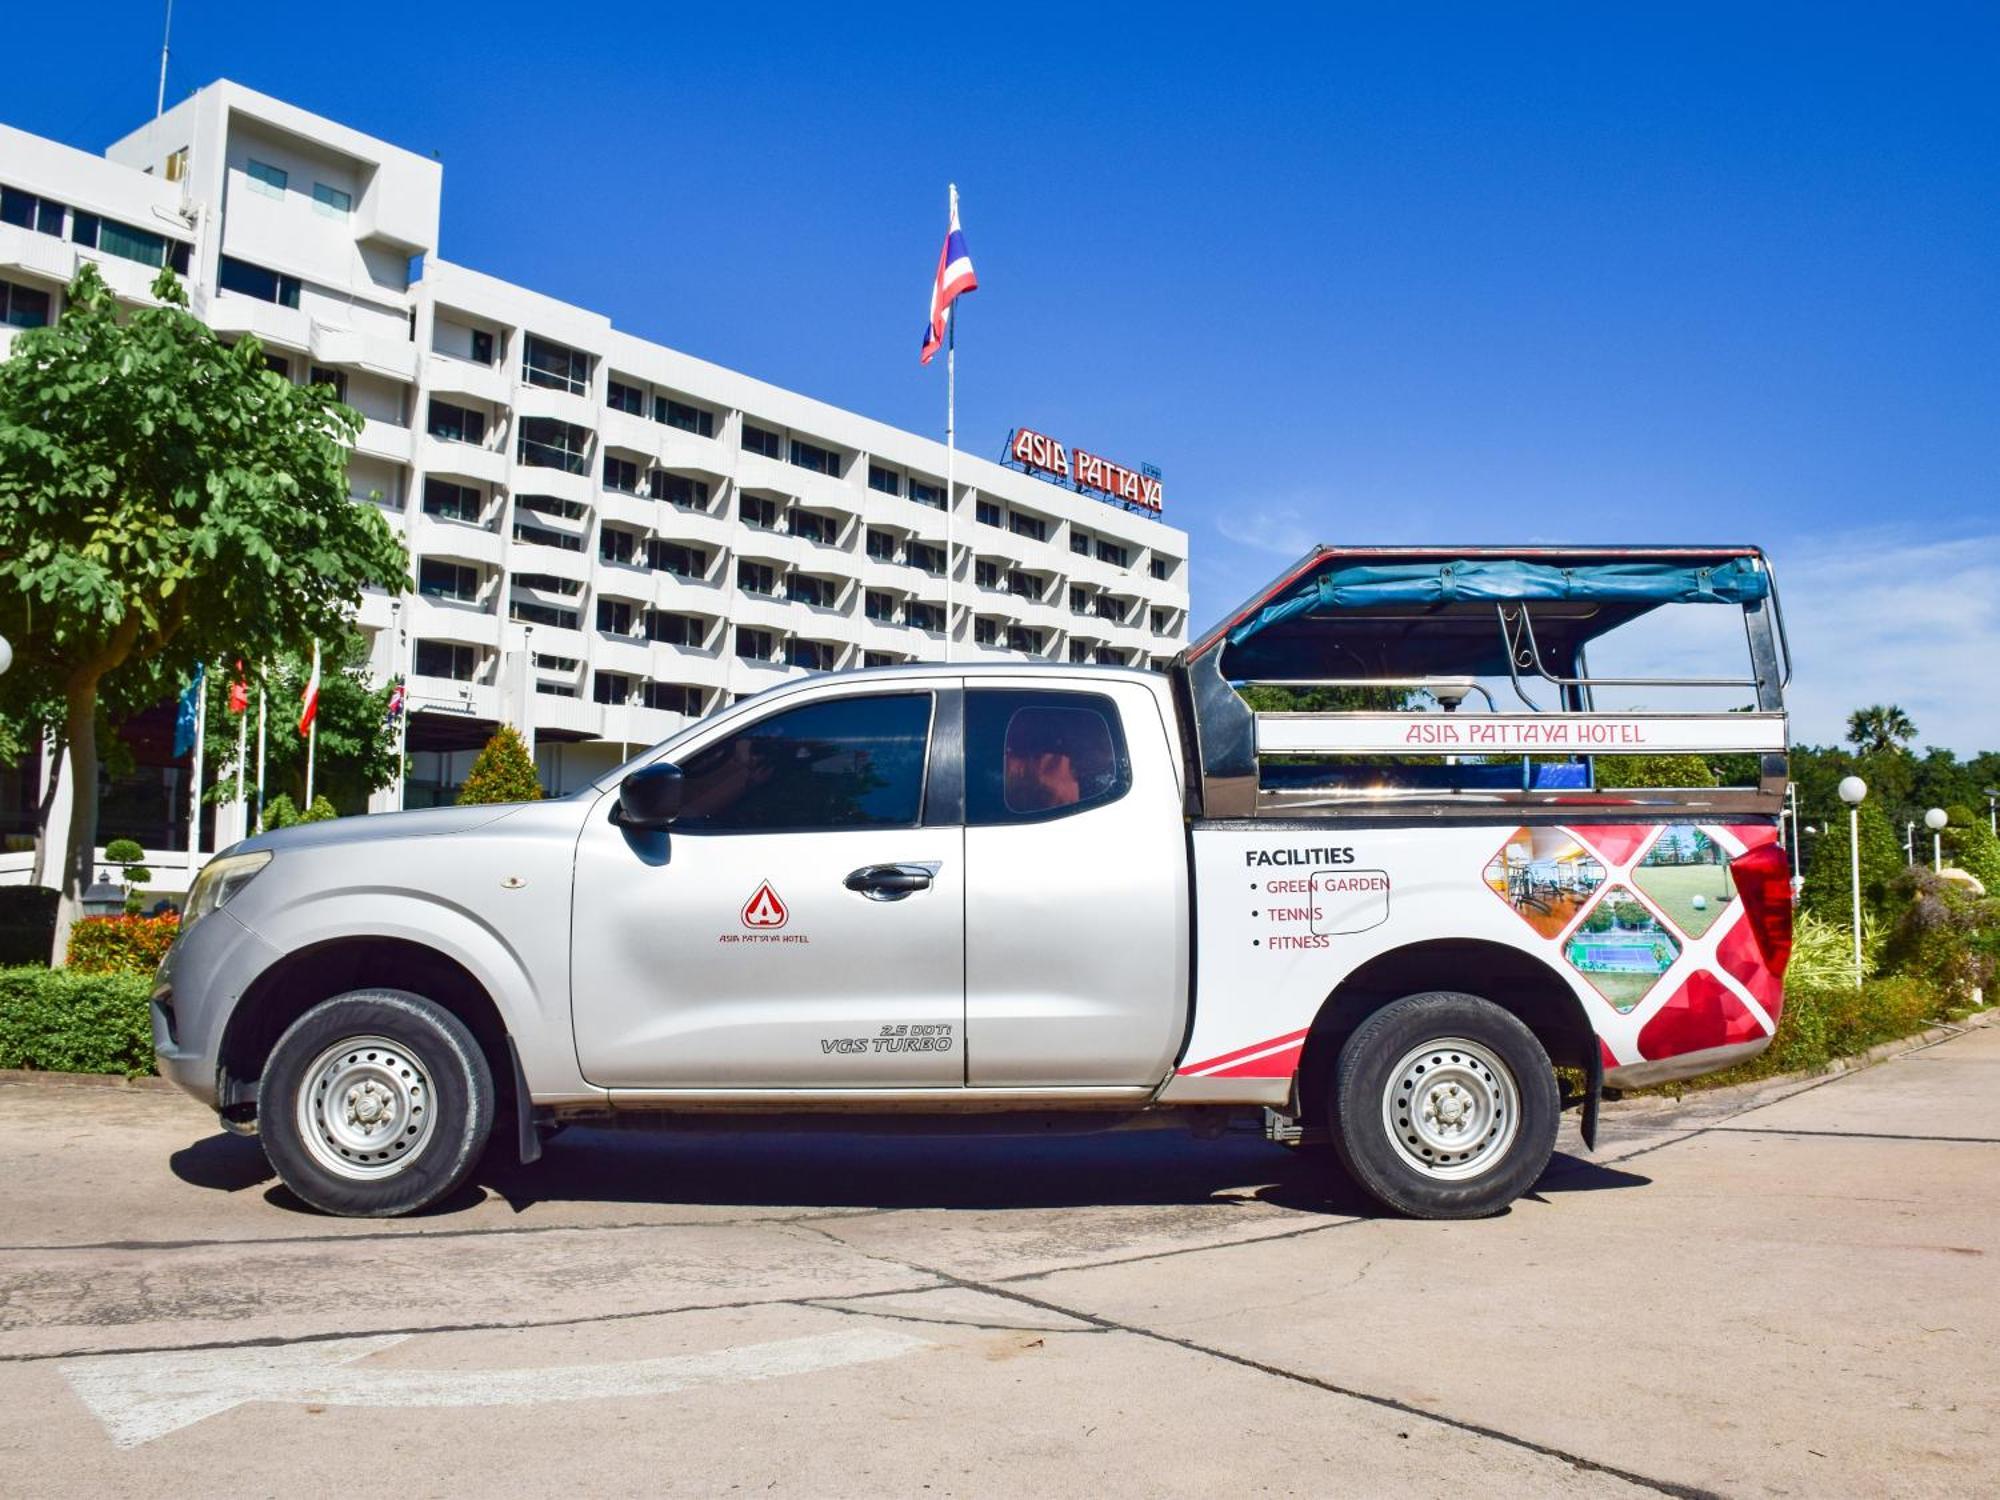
x=607 y=536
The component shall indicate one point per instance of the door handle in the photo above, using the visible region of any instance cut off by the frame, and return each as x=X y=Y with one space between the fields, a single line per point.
x=890 y=882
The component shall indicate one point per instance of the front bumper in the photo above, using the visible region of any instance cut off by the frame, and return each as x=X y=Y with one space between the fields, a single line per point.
x=197 y=988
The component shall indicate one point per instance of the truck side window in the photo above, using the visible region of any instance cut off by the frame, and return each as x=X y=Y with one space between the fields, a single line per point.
x=1037 y=755
x=838 y=763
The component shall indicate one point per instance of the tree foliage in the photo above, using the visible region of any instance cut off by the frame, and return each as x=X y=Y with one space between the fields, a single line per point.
x=165 y=499
x=1878 y=728
x=502 y=772
x=1828 y=889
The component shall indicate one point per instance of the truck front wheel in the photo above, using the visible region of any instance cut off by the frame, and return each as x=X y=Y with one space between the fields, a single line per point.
x=375 y=1103
x=1444 y=1106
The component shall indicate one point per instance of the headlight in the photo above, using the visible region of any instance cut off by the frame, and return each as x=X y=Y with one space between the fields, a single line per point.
x=218 y=883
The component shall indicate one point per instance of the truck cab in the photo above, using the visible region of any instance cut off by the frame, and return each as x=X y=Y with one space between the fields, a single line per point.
x=1362 y=866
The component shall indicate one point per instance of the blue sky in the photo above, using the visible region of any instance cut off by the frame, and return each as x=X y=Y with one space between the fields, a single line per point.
x=1384 y=273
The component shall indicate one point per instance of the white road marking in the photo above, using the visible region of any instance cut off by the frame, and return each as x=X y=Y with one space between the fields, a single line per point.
x=139 y=1397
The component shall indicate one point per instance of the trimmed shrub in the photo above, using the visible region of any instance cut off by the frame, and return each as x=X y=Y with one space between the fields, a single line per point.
x=60 y=1021
x=321 y=811
x=121 y=945
x=27 y=923
x=502 y=772
x=1828 y=891
x=1944 y=935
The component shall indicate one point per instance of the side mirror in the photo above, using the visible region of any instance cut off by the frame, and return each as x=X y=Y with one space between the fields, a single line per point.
x=651 y=796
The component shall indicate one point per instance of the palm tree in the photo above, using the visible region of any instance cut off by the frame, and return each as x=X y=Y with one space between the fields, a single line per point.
x=1879 y=727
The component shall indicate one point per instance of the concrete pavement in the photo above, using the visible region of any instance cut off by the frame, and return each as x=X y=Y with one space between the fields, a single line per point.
x=1782 y=1291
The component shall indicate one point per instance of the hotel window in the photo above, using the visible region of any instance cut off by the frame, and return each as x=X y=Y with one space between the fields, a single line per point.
x=884 y=480
x=688 y=418
x=678 y=490
x=456 y=424
x=23 y=307
x=812 y=456
x=679 y=561
x=930 y=559
x=881 y=545
x=555 y=366
x=758 y=510
x=621 y=474
x=321 y=375
x=549 y=444
x=1111 y=552
x=815 y=528
x=1079 y=652
x=758 y=440
x=986 y=575
x=551 y=505
x=927 y=494
x=622 y=397
x=987 y=514
x=177 y=165
x=146 y=247
x=1079 y=601
x=278 y=365
x=615 y=546
x=445 y=659
x=672 y=630
x=928 y=617
x=267 y=179
x=1079 y=542
x=1023 y=585
x=445 y=580
x=614 y=617
x=1161 y=567
x=241 y=277
x=809 y=590
x=1019 y=639
x=1109 y=608
x=331 y=202
x=880 y=606
x=1032 y=527
x=985 y=632
x=1159 y=617
x=555 y=663
x=611 y=687
x=530 y=613
x=541 y=536
x=756 y=578
x=814 y=656
x=548 y=583
x=26 y=211
x=452 y=502
x=482 y=347
x=673 y=698
x=755 y=645
x=880 y=659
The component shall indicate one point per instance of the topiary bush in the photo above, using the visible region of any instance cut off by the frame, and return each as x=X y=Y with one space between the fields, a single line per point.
x=503 y=772
x=1944 y=935
x=121 y=945
x=61 y=1021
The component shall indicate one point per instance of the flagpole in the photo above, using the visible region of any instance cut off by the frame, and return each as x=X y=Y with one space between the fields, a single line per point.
x=312 y=729
x=242 y=748
x=260 y=752
x=200 y=736
x=950 y=443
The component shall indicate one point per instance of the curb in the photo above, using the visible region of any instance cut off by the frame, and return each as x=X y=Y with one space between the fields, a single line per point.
x=41 y=1079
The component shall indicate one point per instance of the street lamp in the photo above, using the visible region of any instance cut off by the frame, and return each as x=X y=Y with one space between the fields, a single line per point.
x=1992 y=796
x=1935 y=820
x=1852 y=790
x=7 y=660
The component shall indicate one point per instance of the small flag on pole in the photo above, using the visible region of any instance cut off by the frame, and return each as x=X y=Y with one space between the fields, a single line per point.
x=187 y=712
x=955 y=277
x=309 y=703
x=395 y=709
x=239 y=690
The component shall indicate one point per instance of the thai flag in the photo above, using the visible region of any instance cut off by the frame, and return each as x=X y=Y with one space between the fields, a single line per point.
x=954 y=278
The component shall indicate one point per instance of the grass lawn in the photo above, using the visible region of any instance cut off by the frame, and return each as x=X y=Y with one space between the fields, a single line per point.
x=1674 y=887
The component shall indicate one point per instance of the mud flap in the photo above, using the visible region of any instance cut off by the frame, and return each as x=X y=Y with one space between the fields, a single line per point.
x=1593 y=1092
x=529 y=1139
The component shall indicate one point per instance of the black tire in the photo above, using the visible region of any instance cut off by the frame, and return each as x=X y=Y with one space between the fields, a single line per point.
x=412 y=1079
x=1466 y=1154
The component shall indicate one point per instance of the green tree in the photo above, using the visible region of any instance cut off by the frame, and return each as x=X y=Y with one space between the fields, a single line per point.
x=1621 y=772
x=1828 y=872
x=165 y=499
x=1879 y=727
x=502 y=772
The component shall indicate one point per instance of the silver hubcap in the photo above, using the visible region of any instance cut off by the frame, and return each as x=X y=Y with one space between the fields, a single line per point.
x=1452 y=1109
x=365 y=1109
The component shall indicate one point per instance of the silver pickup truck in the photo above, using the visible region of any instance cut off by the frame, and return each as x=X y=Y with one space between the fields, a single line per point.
x=1382 y=914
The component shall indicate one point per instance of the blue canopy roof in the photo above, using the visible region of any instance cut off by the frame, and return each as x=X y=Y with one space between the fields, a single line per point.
x=1735 y=580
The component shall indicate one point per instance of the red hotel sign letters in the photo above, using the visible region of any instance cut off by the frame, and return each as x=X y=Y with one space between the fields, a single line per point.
x=1033 y=450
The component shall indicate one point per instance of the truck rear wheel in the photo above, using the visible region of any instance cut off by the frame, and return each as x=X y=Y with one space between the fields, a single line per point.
x=1444 y=1106
x=375 y=1103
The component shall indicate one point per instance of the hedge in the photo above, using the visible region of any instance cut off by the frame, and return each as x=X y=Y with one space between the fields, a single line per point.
x=60 y=1021
x=122 y=945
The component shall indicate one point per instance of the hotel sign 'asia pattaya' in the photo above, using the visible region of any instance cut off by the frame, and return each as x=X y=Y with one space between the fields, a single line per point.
x=1037 y=452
